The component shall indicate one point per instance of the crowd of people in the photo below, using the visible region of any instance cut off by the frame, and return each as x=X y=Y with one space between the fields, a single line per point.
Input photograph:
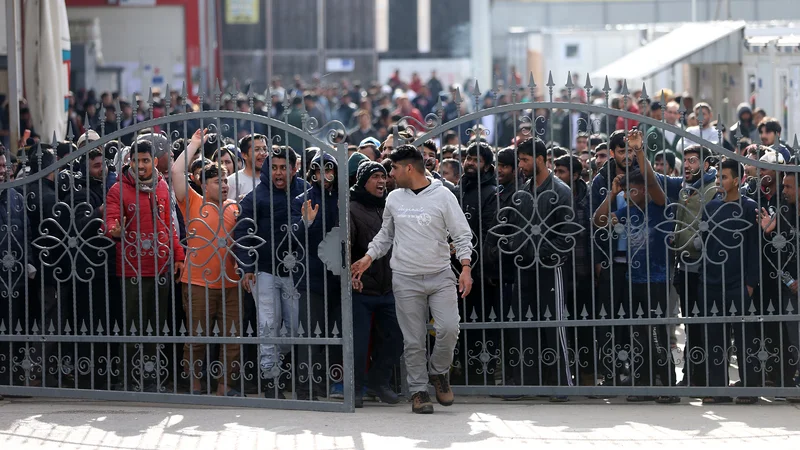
x=526 y=216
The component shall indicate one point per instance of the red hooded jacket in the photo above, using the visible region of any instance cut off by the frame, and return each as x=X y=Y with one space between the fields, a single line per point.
x=145 y=243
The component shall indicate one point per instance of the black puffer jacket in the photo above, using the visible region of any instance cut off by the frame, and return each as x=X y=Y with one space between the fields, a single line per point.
x=491 y=251
x=477 y=198
x=366 y=218
x=541 y=231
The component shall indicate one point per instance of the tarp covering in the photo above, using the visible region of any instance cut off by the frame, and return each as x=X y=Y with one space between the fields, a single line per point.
x=46 y=68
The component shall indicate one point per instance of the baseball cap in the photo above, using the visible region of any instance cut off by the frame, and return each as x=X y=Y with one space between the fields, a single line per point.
x=369 y=141
x=772 y=157
x=88 y=137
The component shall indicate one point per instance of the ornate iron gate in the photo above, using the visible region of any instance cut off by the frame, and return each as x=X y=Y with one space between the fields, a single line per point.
x=564 y=306
x=96 y=303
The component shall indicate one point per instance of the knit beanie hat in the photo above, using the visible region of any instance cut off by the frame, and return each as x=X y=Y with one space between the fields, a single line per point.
x=366 y=170
x=355 y=160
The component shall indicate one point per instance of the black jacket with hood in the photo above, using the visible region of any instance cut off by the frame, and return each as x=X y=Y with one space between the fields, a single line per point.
x=746 y=128
x=477 y=196
x=366 y=219
x=328 y=202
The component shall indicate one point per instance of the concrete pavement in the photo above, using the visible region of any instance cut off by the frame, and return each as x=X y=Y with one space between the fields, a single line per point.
x=471 y=423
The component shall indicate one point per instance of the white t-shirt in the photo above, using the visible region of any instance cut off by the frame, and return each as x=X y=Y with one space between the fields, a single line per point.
x=241 y=184
x=710 y=134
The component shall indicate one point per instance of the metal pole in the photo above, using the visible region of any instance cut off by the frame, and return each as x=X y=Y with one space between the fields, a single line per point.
x=202 y=10
x=321 y=37
x=211 y=34
x=14 y=40
x=270 y=44
x=694 y=10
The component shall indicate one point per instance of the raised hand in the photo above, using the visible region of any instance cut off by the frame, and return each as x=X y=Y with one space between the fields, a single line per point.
x=616 y=185
x=309 y=212
x=116 y=230
x=635 y=140
x=767 y=221
x=199 y=137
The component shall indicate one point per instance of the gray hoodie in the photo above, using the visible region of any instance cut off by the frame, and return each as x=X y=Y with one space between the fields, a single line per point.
x=417 y=225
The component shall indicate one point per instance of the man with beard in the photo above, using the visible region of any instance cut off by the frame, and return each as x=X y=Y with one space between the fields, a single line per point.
x=478 y=187
x=372 y=294
x=786 y=226
x=314 y=213
x=579 y=292
x=508 y=176
x=146 y=252
x=504 y=277
x=263 y=225
x=539 y=235
x=642 y=216
x=610 y=254
x=766 y=190
x=419 y=217
x=477 y=194
x=688 y=197
x=431 y=154
x=769 y=131
x=254 y=151
x=390 y=184
x=84 y=188
x=210 y=282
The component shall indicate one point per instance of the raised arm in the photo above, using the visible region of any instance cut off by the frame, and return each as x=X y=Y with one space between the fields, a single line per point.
x=603 y=214
x=180 y=167
x=654 y=189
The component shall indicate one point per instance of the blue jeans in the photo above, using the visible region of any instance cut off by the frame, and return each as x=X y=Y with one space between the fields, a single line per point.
x=278 y=314
x=387 y=345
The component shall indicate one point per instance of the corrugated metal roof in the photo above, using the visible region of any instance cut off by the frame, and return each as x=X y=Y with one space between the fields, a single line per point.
x=697 y=42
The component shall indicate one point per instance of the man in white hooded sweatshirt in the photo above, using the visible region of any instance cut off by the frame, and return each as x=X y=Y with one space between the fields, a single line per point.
x=419 y=216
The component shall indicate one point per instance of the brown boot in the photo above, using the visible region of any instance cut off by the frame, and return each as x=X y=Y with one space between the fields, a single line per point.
x=421 y=403
x=444 y=395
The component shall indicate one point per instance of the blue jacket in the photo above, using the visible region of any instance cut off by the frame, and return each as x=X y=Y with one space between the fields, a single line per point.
x=263 y=225
x=328 y=202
